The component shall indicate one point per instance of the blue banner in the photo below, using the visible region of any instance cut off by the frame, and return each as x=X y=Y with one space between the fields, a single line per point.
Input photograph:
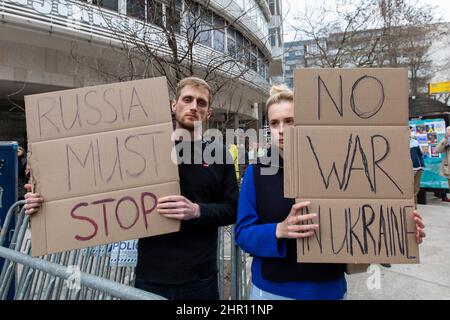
x=429 y=133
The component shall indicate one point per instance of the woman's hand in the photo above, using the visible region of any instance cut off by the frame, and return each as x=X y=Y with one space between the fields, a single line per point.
x=297 y=226
x=420 y=234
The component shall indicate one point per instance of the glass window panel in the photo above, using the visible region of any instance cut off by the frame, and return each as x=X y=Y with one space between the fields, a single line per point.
x=206 y=16
x=136 y=9
x=253 y=62
x=231 y=33
x=204 y=35
x=173 y=16
x=108 y=4
x=239 y=39
x=219 y=22
x=155 y=12
x=219 y=40
x=231 y=45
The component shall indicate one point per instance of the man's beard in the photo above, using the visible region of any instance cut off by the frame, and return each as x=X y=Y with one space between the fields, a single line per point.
x=187 y=125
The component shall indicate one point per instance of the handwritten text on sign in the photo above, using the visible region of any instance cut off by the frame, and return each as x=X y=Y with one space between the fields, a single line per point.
x=370 y=231
x=349 y=155
x=100 y=156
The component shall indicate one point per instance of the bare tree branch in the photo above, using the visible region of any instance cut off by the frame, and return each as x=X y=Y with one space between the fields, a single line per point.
x=369 y=33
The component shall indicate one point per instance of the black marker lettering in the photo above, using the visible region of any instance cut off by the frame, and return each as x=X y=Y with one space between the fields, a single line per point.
x=358 y=147
x=144 y=162
x=105 y=98
x=117 y=163
x=133 y=104
x=382 y=158
x=379 y=104
x=352 y=232
x=76 y=116
x=382 y=233
x=326 y=182
x=407 y=233
x=320 y=84
x=44 y=115
x=344 y=241
x=91 y=107
x=366 y=230
x=82 y=163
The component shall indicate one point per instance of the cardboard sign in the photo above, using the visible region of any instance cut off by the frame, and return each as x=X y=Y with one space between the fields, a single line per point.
x=349 y=155
x=353 y=97
x=100 y=156
x=361 y=231
x=348 y=162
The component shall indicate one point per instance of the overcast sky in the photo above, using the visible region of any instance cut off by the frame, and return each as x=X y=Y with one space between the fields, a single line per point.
x=293 y=7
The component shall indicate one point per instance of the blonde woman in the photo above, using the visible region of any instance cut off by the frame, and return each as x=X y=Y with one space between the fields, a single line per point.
x=268 y=226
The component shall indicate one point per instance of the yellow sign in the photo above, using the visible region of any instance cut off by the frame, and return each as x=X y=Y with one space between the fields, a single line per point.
x=439 y=87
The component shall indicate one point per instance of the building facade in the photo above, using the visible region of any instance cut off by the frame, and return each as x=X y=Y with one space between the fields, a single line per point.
x=276 y=33
x=50 y=45
x=420 y=49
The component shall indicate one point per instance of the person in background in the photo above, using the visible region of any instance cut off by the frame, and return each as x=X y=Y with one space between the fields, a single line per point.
x=233 y=150
x=22 y=172
x=255 y=152
x=417 y=161
x=444 y=147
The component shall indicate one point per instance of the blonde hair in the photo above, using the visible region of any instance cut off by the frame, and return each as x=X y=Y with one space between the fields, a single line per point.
x=194 y=82
x=279 y=93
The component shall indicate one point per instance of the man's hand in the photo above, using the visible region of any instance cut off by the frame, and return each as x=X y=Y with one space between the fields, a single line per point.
x=292 y=228
x=33 y=201
x=178 y=207
x=420 y=234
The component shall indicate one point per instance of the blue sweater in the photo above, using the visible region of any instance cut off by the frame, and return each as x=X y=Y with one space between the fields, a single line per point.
x=259 y=240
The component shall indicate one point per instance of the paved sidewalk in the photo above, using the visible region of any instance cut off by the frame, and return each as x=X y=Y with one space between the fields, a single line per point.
x=429 y=280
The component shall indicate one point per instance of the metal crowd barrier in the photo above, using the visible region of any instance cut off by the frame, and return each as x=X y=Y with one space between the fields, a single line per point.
x=72 y=275
x=88 y=274
x=233 y=265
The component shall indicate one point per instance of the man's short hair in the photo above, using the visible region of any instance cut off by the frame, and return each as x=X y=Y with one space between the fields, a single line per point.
x=194 y=82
